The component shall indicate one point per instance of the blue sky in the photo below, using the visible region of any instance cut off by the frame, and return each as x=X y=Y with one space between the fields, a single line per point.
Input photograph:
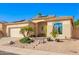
x=14 y=12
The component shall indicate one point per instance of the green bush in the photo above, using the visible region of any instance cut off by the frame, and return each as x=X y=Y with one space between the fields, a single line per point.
x=54 y=33
x=26 y=40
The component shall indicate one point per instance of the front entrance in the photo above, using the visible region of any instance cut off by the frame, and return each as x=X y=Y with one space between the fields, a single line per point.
x=41 y=29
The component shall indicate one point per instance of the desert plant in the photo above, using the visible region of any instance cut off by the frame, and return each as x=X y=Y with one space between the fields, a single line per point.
x=76 y=23
x=26 y=40
x=22 y=31
x=54 y=33
x=29 y=29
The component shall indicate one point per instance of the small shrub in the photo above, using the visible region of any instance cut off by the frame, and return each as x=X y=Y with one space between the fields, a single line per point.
x=54 y=33
x=26 y=40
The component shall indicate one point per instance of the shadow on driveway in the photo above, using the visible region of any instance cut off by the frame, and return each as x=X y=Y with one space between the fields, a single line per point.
x=6 y=53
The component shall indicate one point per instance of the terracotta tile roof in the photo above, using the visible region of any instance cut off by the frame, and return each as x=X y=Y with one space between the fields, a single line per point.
x=20 y=21
x=65 y=17
x=47 y=18
x=43 y=17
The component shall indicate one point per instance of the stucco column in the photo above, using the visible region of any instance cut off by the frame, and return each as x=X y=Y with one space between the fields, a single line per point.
x=36 y=29
x=49 y=28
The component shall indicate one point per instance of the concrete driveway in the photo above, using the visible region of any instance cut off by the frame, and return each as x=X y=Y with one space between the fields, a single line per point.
x=5 y=40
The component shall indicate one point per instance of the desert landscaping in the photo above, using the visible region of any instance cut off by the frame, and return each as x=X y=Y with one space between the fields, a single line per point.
x=69 y=47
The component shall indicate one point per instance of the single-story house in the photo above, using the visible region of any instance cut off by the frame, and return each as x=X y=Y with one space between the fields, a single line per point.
x=64 y=25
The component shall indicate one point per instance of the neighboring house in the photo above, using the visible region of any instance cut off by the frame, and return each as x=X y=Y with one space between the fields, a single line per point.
x=75 y=33
x=63 y=24
x=2 y=29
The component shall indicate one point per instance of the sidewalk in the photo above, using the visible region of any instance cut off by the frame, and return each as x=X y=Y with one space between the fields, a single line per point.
x=23 y=51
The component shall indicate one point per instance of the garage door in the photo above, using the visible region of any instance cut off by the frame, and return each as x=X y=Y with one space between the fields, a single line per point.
x=15 y=32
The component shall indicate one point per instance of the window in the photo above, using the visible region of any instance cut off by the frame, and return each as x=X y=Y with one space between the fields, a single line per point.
x=58 y=27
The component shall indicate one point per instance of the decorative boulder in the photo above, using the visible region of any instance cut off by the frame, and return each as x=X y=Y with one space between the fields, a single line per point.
x=11 y=42
x=49 y=39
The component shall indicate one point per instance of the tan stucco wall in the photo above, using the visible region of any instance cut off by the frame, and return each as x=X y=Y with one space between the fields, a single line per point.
x=49 y=28
x=66 y=29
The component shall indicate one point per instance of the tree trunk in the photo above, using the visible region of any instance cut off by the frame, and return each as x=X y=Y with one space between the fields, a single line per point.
x=23 y=34
x=28 y=33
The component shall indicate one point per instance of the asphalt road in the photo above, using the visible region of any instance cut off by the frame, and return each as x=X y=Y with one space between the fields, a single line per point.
x=6 y=53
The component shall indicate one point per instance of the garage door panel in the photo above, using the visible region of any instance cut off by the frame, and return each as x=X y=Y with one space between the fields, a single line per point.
x=15 y=32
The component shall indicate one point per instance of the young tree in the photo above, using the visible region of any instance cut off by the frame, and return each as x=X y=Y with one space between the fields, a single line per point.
x=54 y=33
x=39 y=14
x=22 y=31
x=76 y=23
x=27 y=29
